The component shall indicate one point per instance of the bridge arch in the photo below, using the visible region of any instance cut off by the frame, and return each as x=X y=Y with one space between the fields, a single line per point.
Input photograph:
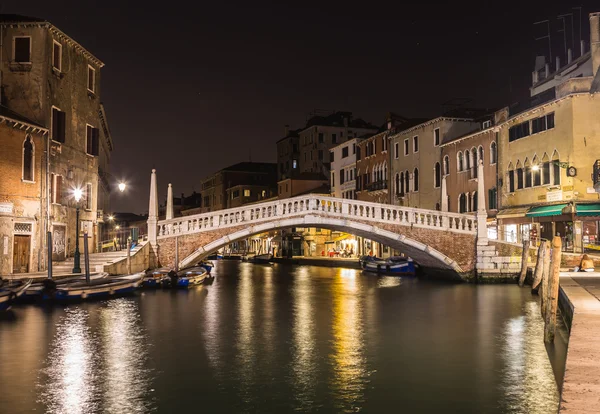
x=426 y=255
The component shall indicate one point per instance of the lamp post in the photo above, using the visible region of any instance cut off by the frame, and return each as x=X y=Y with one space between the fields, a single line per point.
x=77 y=193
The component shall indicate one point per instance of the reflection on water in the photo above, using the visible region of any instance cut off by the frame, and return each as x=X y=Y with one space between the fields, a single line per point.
x=246 y=334
x=71 y=386
x=127 y=387
x=349 y=365
x=283 y=339
x=527 y=369
x=304 y=363
x=98 y=365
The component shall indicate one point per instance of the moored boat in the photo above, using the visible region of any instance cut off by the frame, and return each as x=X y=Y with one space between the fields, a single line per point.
x=154 y=278
x=186 y=278
x=9 y=293
x=207 y=265
x=261 y=258
x=97 y=288
x=395 y=265
x=37 y=289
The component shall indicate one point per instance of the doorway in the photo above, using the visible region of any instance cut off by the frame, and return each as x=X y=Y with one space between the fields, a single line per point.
x=21 y=254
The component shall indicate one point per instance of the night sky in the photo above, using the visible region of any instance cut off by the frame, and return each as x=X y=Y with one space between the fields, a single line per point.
x=192 y=89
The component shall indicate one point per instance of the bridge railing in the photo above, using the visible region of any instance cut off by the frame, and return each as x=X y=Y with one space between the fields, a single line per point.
x=319 y=205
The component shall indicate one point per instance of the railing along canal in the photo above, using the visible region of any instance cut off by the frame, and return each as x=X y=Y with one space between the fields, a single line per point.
x=319 y=206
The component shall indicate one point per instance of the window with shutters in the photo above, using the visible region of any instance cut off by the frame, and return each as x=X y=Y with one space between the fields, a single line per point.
x=342 y=176
x=436 y=137
x=344 y=152
x=92 y=140
x=416 y=143
x=56 y=188
x=406 y=146
x=28 y=159
x=492 y=195
x=91 y=83
x=22 y=49
x=58 y=125
x=88 y=196
x=57 y=56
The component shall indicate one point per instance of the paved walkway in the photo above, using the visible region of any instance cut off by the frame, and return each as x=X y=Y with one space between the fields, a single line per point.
x=581 y=386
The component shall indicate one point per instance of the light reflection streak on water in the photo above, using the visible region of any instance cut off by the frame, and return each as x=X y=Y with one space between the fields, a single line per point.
x=528 y=370
x=71 y=385
x=268 y=324
x=124 y=350
x=304 y=364
x=389 y=281
x=348 y=360
x=245 y=335
x=211 y=328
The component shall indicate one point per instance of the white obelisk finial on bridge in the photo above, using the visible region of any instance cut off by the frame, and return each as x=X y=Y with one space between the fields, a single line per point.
x=482 y=237
x=444 y=195
x=153 y=210
x=169 y=202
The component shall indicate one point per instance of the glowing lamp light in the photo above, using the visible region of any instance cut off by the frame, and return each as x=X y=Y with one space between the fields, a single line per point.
x=77 y=193
x=111 y=217
x=117 y=227
x=535 y=168
x=122 y=186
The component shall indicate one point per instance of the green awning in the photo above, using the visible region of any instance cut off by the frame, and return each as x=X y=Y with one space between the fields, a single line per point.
x=545 y=211
x=588 y=210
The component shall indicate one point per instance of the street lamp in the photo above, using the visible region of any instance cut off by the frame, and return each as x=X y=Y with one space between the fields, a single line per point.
x=122 y=186
x=77 y=193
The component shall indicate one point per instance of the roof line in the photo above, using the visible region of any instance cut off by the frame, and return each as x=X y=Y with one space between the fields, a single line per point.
x=432 y=121
x=59 y=33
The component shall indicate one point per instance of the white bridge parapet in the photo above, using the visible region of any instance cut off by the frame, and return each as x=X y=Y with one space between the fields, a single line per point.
x=313 y=204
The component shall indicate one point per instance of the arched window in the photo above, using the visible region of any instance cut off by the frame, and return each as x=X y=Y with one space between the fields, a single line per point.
x=527 y=173
x=437 y=207
x=28 y=159
x=462 y=203
x=397 y=184
x=437 y=176
x=402 y=183
x=519 y=174
x=545 y=169
x=474 y=204
x=446 y=165
x=480 y=158
x=474 y=158
x=467 y=160
x=555 y=168
x=406 y=182
x=537 y=174
x=459 y=161
x=416 y=180
x=511 y=178
x=384 y=176
x=493 y=153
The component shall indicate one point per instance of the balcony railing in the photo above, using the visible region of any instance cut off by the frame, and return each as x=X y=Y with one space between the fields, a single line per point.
x=377 y=186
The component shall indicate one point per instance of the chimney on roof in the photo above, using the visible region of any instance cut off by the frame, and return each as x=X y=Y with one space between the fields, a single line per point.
x=547 y=67
x=286 y=130
x=569 y=56
x=595 y=41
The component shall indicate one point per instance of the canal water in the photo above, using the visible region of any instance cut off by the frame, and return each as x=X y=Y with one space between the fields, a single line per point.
x=282 y=339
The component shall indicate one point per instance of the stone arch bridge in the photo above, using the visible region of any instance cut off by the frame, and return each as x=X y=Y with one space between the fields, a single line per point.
x=439 y=241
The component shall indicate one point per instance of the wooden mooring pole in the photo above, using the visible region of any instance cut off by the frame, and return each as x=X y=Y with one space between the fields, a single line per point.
x=539 y=268
x=545 y=276
x=524 y=256
x=552 y=294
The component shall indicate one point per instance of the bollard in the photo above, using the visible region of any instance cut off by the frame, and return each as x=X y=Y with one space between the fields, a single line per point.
x=86 y=257
x=552 y=293
x=524 y=262
x=539 y=268
x=49 y=260
x=545 y=276
x=128 y=256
